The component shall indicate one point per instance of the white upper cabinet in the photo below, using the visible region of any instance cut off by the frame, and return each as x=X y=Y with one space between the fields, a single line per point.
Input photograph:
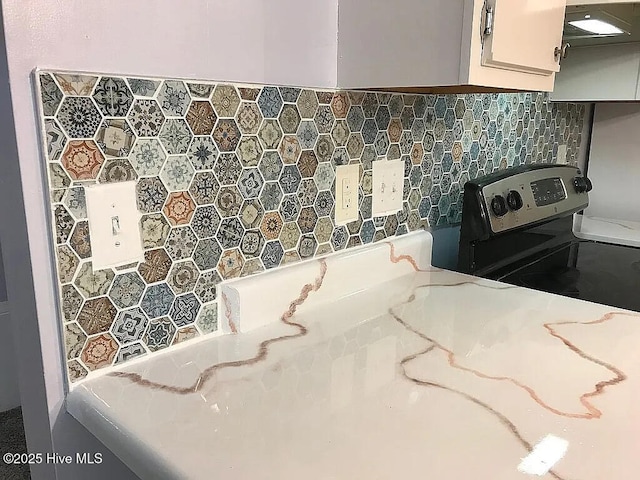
x=504 y=44
x=523 y=35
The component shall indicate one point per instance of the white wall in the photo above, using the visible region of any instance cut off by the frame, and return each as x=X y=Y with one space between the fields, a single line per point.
x=268 y=41
x=614 y=163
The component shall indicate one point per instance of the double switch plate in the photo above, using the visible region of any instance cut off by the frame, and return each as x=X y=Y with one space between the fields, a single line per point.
x=387 y=188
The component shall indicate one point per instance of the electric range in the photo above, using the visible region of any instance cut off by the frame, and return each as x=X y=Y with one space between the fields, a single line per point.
x=517 y=227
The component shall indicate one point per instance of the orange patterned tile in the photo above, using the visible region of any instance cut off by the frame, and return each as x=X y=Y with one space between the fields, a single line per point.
x=179 y=208
x=99 y=351
x=82 y=159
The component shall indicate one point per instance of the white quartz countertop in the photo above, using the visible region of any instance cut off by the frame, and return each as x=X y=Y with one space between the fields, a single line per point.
x=608 y=230
x=455 y=378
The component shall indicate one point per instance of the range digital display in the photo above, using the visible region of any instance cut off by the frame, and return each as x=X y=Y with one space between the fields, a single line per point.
x=548 y=191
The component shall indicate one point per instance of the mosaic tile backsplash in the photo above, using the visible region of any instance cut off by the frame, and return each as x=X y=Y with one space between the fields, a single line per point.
x=236 y=179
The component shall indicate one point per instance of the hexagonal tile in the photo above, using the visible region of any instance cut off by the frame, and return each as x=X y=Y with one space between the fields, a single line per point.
x=50 y=94
x=251 y=214
x=307 y=247
x=340 y=133
x=97 y=315
x=230 y=264
x=208 y=318
x=225 y=100
x=99 y=351
x=249 y=151
x=201 y=118
x=113 y=96
x=205 y=222
x=146 y=118
x=129 y=352
x=324 y=148
x=71 y=302
x=271 y=196
x=307 y=103
x=181 y=243
x=174 y=98
x=175 y=136
x=324 y=229
x=340 y=104
x=143 y=87
x=157 y=300
x=289 y=235
x=117 y=170
x=290 y=149
x=80 y=240
x=289 y=208
x=179 y=208
x=204 y=188
x=271 y=225
x=272 y=254
x=369 y=131
x=308 y=191
x=151 y=194
x=270 y=134
x=207 y=254
x=147 y=157
x=159 y=334
x=339 y=237
x=177 y=172
x=230 y=232
x=249 y=118
x=270 y=166
x=324 y=204
x=129 y=325
x=185 y=309
x=67 y=263
x=382 y=143
x=355 y=145
x=82 y=160
x=324 y=176
x=250 y=183
x=206 y=286
x=251 y=267
x=324 y=119
x=226 y=135
x=93 y=284
x=290 y=179
x=202 y=153
x=74 y=339
x=154 y=229
x=289 y=118
x=55 y=138
x=127 y=289
x=307 y=134
x=307 y=219
x=184 y=334
x=156 y=266
x=252 y=243
x=79 y=117
x=270 y=102
x=229 y=201
x=183 y=277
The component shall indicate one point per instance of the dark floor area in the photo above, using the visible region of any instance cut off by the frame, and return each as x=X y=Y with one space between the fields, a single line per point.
x=12 y=440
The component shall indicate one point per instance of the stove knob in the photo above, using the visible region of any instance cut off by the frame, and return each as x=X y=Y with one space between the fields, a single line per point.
x=582 y=184
x=514 y=200
x=499 y=206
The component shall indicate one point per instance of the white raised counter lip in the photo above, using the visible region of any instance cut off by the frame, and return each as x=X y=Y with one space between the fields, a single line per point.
x=433 y=375
x=607 y=230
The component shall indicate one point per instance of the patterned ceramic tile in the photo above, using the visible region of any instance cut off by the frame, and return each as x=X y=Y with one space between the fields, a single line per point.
x=177 y=173
x=225 y=100
x=307 y=103
x=251 y=214
x=71 y=302
x=183 y=277
x=207 y=254
x=252 y=243
x=229 y=201
x=129 y=352
x=156 y=265
x=289 y=235
x=270 y=134
x=157 y=300
x=67 y=263
x=208 y=318
x=307 y=220
x=184 y=334
x=324 y=204
x=289 y=118
x=181 y=243
x=75 y=339
x=113 y=96
x=55 y=138
x=290 y=179
x=115 y=137
x=99 y=351
x=340 y=104
x=307 y=247
x=159 y=334
x=249 y=151
x=80 y=240
x=231 y=263
x=93 y=283
x=185 y=309
x=51 y=96
x=200 y=90
x=323 y=229
x=146 y=118
x=271 y=225
x=270 y=102
x=179 y=208
x=97 y=315
x=75 y=202
x=289 y=208
x=202 y=153
x=249 y=93
x=205 y=222
x=249 y=118
x=117 y=170
x=324 y=119
x=307 y=134
x=143 y=87
x=271 y=196
x=324 y=176
x=227 y=169
x=126 y=290
x=289 y=94
x=129 y=326
x=82 y=160
x=175 y=136
x=230 y=232
x=76 y=371
x=201 y=118
x=154 y=229
x=151 y=194
x=147 y=157
x=251 y=267
x=174 y=98
x=290 y=149
x=206 y=286
x=340 y=133
x=324 y=148
x=272 y=254
x=226 y=135
x=204 y=188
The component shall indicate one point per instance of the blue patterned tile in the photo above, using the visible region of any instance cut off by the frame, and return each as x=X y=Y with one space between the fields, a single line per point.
x=290 y=179
x=50 y=96
x=143 y=87
x=151 y=194
x=157 y=300
x=159 y=334
x=324 y=204
x=129 y=352
x=207 y=254
x=270 y=102
x=271 y=196
x=129 y=326
x=126 y=289
x=206 y=286
x=204 y=188
x=177 y=173
x=252 y=243
x=184 y=310
x=230 y=232
x=228 y=169
x=55 y=138
x=205 y=222
x=324 y=119
x=79 y=117
x=174 y=98
x=147 y=157
x=272 y=254
x=113 y=96
x=175 y=136
x=202 y=153
x=250 y=183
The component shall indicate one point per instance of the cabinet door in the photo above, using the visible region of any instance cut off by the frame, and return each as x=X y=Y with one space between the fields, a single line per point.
x=525 y=35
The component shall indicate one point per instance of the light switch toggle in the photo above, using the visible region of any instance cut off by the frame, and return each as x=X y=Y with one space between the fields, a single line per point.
x=347 y=181
x=115 y=227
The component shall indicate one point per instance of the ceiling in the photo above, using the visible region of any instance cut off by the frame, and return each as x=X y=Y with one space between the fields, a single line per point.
x=628 y=13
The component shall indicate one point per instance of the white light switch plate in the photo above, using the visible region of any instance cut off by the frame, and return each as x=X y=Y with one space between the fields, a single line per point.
x=388 y=185
x=114 y=220
x=347 y=183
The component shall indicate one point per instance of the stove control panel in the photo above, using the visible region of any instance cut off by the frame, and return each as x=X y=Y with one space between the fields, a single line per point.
x=531 y=195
